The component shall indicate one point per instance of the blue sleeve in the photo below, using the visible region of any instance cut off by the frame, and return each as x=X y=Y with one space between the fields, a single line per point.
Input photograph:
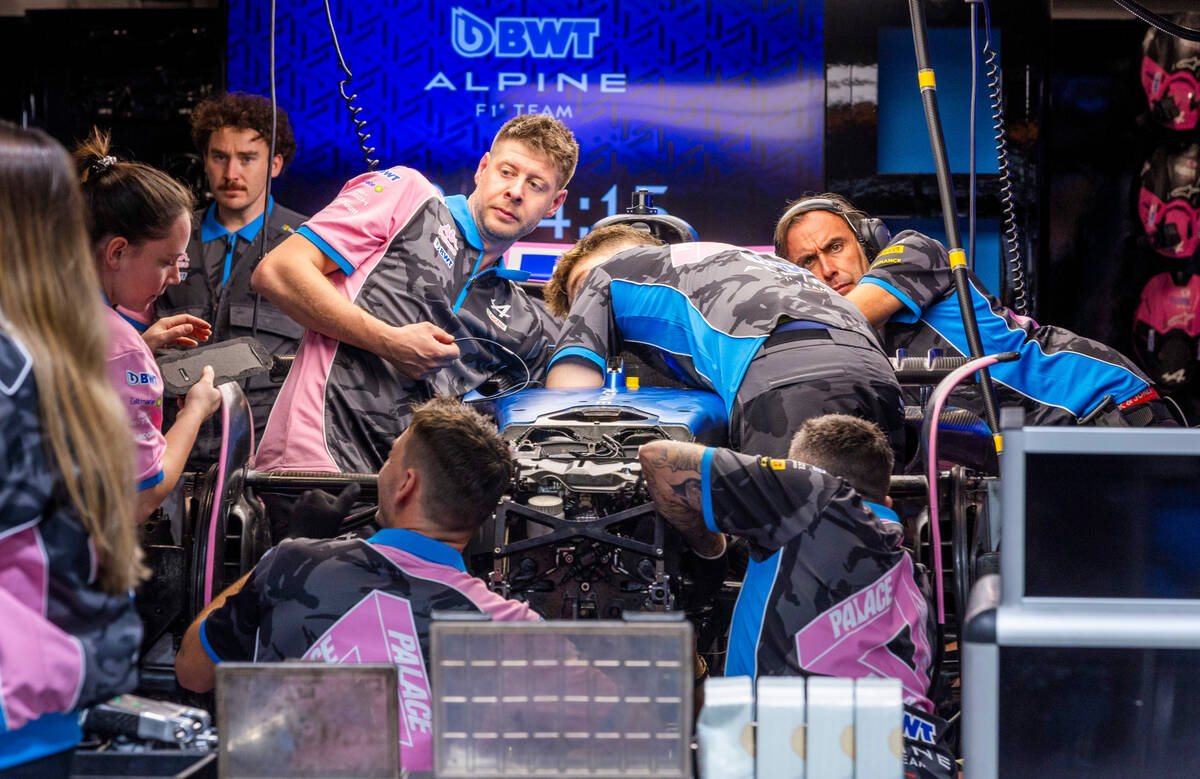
x=326 y=249
x=579 y=351
x=706 y=489
x=911 y=312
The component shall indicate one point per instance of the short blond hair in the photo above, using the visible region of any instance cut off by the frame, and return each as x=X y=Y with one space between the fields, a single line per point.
x=545 y=135
x=555 y=293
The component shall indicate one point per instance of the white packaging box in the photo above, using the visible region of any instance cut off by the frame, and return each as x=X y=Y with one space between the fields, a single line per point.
x=725 y=729
x=779 y=739
x=830 y=742
x=878 y=718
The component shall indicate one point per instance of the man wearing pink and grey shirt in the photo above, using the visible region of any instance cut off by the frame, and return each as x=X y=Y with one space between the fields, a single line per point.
x=371 y=601
x=399 y=287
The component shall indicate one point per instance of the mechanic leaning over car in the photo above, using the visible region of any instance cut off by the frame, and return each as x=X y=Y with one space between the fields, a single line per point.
x=777 y=345
x=398 y=287
x=904 y=286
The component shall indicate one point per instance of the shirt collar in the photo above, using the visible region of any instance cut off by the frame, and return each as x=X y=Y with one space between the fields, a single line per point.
x=424 y=547
x=884 y=513
x=211 y=229
x=460 y=209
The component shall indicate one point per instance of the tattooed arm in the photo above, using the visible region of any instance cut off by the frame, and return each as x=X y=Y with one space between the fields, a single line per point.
x=672 y=473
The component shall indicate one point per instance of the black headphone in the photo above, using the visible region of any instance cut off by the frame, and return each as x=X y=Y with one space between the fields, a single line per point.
x=872 y=234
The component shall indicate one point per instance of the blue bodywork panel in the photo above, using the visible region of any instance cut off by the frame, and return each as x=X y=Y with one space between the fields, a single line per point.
x=701 y=412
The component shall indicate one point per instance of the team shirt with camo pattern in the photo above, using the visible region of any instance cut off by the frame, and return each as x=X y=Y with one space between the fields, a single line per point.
x=64 y=643
x=699 y=311
x=1059 y=377
x=404 y=254
x=356 y=601
x=828 y=590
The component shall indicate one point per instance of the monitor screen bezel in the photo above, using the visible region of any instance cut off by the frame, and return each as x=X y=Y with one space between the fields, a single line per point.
x=1020 y=442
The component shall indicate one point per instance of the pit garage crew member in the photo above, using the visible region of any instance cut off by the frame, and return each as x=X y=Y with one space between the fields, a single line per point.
x=776 y=345
x=232 y=132
x=69 y=553
x=138 y=218
x=905 y=287
x=321 y=599
x=398 y=287
x=828 y=590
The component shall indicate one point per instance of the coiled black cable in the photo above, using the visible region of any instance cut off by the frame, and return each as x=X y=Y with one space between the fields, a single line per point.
x=359 y=123
x=1018 y=290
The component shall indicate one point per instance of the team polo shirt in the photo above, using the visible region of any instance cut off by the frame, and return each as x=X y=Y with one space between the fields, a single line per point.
x=699 y=311
x=828 y=589
x=356 y=601
x=134 y=375
x=404 y=254
x=215 y=286
x=64 y=643
x=1059 y=377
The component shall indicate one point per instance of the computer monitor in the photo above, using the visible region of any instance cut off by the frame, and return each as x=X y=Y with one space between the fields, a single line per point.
x=1100 y=514
x=1082 y=659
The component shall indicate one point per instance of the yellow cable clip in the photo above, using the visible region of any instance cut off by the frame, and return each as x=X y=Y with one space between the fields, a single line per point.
x=957 y=257
x=925 y=78
x=999 y=441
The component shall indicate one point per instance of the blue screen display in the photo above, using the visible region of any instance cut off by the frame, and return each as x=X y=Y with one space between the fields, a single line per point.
x=717 y=107
x=903 y=134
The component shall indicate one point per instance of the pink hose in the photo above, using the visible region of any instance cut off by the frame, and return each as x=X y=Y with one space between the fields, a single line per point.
x=940 y=393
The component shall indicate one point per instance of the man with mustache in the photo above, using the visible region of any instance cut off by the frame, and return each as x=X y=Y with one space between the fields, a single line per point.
x=233 y=132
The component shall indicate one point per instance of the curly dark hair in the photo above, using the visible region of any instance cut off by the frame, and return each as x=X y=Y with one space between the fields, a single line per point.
x=245 y=112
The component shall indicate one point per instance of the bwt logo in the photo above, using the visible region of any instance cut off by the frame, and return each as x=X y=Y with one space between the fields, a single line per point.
x=512 y=36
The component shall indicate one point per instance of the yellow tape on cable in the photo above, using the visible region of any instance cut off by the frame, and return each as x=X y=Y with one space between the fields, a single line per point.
x=925 y=79
x=957 y=257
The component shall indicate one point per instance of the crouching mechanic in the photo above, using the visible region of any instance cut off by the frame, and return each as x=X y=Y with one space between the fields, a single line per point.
x=905 y=287
x=828 y=590
x=321 y=599
x=778 y=346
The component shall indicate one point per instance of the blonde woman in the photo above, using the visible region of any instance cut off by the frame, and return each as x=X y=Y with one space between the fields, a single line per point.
x=69 y=634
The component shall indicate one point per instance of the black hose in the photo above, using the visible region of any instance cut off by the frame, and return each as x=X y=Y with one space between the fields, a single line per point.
x=1158 y=22
x=958 y=264
x=262 y=229
x=972 y=186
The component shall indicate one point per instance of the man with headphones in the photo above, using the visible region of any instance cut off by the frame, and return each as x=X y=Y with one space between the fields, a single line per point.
x=905 y=289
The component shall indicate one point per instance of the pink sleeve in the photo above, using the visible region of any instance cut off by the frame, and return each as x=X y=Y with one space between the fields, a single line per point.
x=135 y=377
x=360 y=223
x=41 y=666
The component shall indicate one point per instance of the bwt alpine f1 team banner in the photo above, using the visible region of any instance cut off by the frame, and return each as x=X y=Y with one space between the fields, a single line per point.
x=716 y=107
